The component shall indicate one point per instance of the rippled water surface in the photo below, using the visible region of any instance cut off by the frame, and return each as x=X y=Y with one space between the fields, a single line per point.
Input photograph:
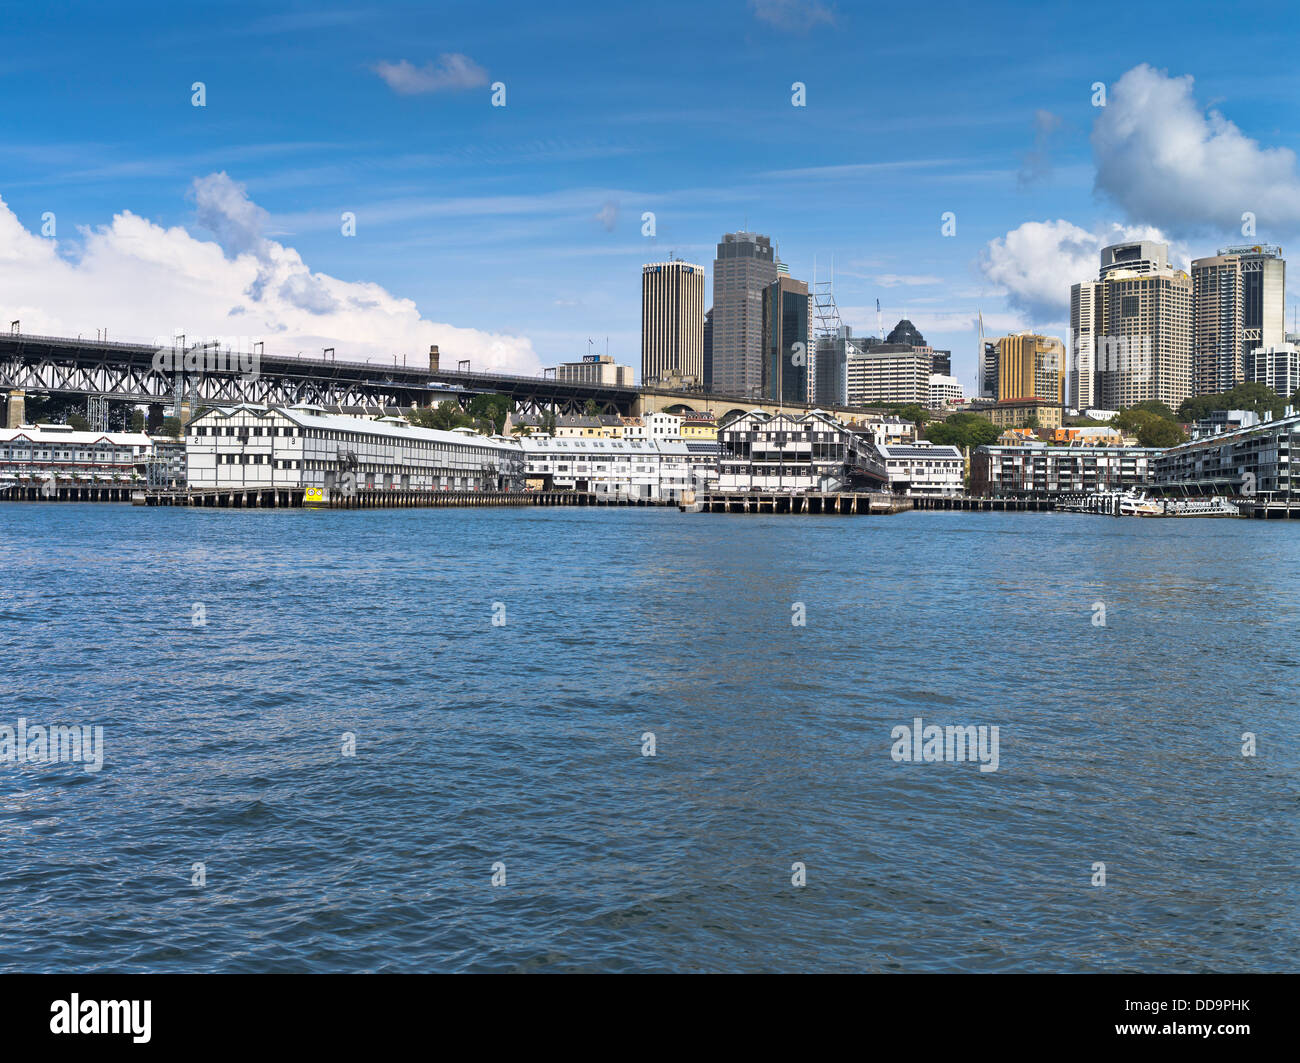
x=522 y=743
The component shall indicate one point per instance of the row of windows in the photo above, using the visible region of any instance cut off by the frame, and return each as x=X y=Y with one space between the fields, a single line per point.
x=237 y=430
x=23 y=453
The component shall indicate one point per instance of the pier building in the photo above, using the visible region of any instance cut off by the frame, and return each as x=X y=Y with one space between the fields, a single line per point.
x=301 y=446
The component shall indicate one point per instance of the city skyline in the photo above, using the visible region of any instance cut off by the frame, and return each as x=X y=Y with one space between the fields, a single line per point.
x=512 y=247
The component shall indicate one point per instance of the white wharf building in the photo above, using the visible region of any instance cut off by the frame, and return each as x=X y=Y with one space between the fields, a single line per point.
x=39 y=453
x=634 y=469
x=302 y=446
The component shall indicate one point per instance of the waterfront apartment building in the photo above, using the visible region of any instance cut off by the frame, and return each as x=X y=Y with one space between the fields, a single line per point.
x=1031 y=366
x=672 y=323
x=923 y=469
x=1134 y=327
x=889 y=373
x=744 y=268
x=787 y=340
x=634 y=469
x=1041 y=471
x=1253 y=460
x=795 y=453
x=37 y=453
x=595 y=369
x=302 y=446
x=1239 y=305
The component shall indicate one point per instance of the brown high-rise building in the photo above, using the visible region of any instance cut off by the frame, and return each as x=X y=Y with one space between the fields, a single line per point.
x=1131 y=330
x=745 y=266
x=1031 y=366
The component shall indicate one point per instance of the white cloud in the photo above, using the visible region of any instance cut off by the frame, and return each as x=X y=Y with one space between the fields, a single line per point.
x=453 y=73
x=897 y=280
x=608 y=215
x=1168 y=163
x=1037 y=163
x=1035 y=263
x=798 y=16
x=142 y=281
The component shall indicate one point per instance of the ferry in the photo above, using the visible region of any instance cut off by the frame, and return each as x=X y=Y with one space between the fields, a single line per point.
x=1134 y=503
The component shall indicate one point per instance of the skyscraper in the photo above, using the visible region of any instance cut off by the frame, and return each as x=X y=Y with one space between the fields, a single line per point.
x=830 y=367
x=1086 y=317
x=708 y=350
x=744 y=268
x=672 y=323
x=1031 y=366
x=1136 y=324
x=1238 y=306
x=787 y=340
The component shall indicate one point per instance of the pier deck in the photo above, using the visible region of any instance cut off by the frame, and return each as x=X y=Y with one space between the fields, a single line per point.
x=843 y=503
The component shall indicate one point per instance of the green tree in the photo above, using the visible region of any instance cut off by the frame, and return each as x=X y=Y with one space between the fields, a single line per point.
x=1258 y=398
x=1151 y=428
x=444 y=417
x=914 y=412
x=171 y=426
x=78 y=422
x=137 y=420
x=494 y=409
x=963 y=430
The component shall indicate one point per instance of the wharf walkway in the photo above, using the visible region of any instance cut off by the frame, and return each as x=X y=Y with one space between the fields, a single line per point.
x=363 y=498
x=50 y=492
x=842 y=503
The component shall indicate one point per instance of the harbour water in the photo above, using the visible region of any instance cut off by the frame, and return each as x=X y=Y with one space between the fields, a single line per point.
x=227 y=654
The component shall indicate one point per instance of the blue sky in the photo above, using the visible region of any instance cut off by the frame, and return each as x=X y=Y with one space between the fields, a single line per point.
x=524 y=221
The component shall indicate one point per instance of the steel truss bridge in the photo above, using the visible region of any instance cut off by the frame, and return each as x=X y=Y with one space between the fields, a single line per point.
x=128 y=372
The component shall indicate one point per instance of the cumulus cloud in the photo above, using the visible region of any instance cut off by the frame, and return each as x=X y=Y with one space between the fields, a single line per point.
x=452 y=73
x=792 y=16
x=608 y=215
x=143 y=281
x=1035 y=263
x=1037 y=162
x=1168 y=163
